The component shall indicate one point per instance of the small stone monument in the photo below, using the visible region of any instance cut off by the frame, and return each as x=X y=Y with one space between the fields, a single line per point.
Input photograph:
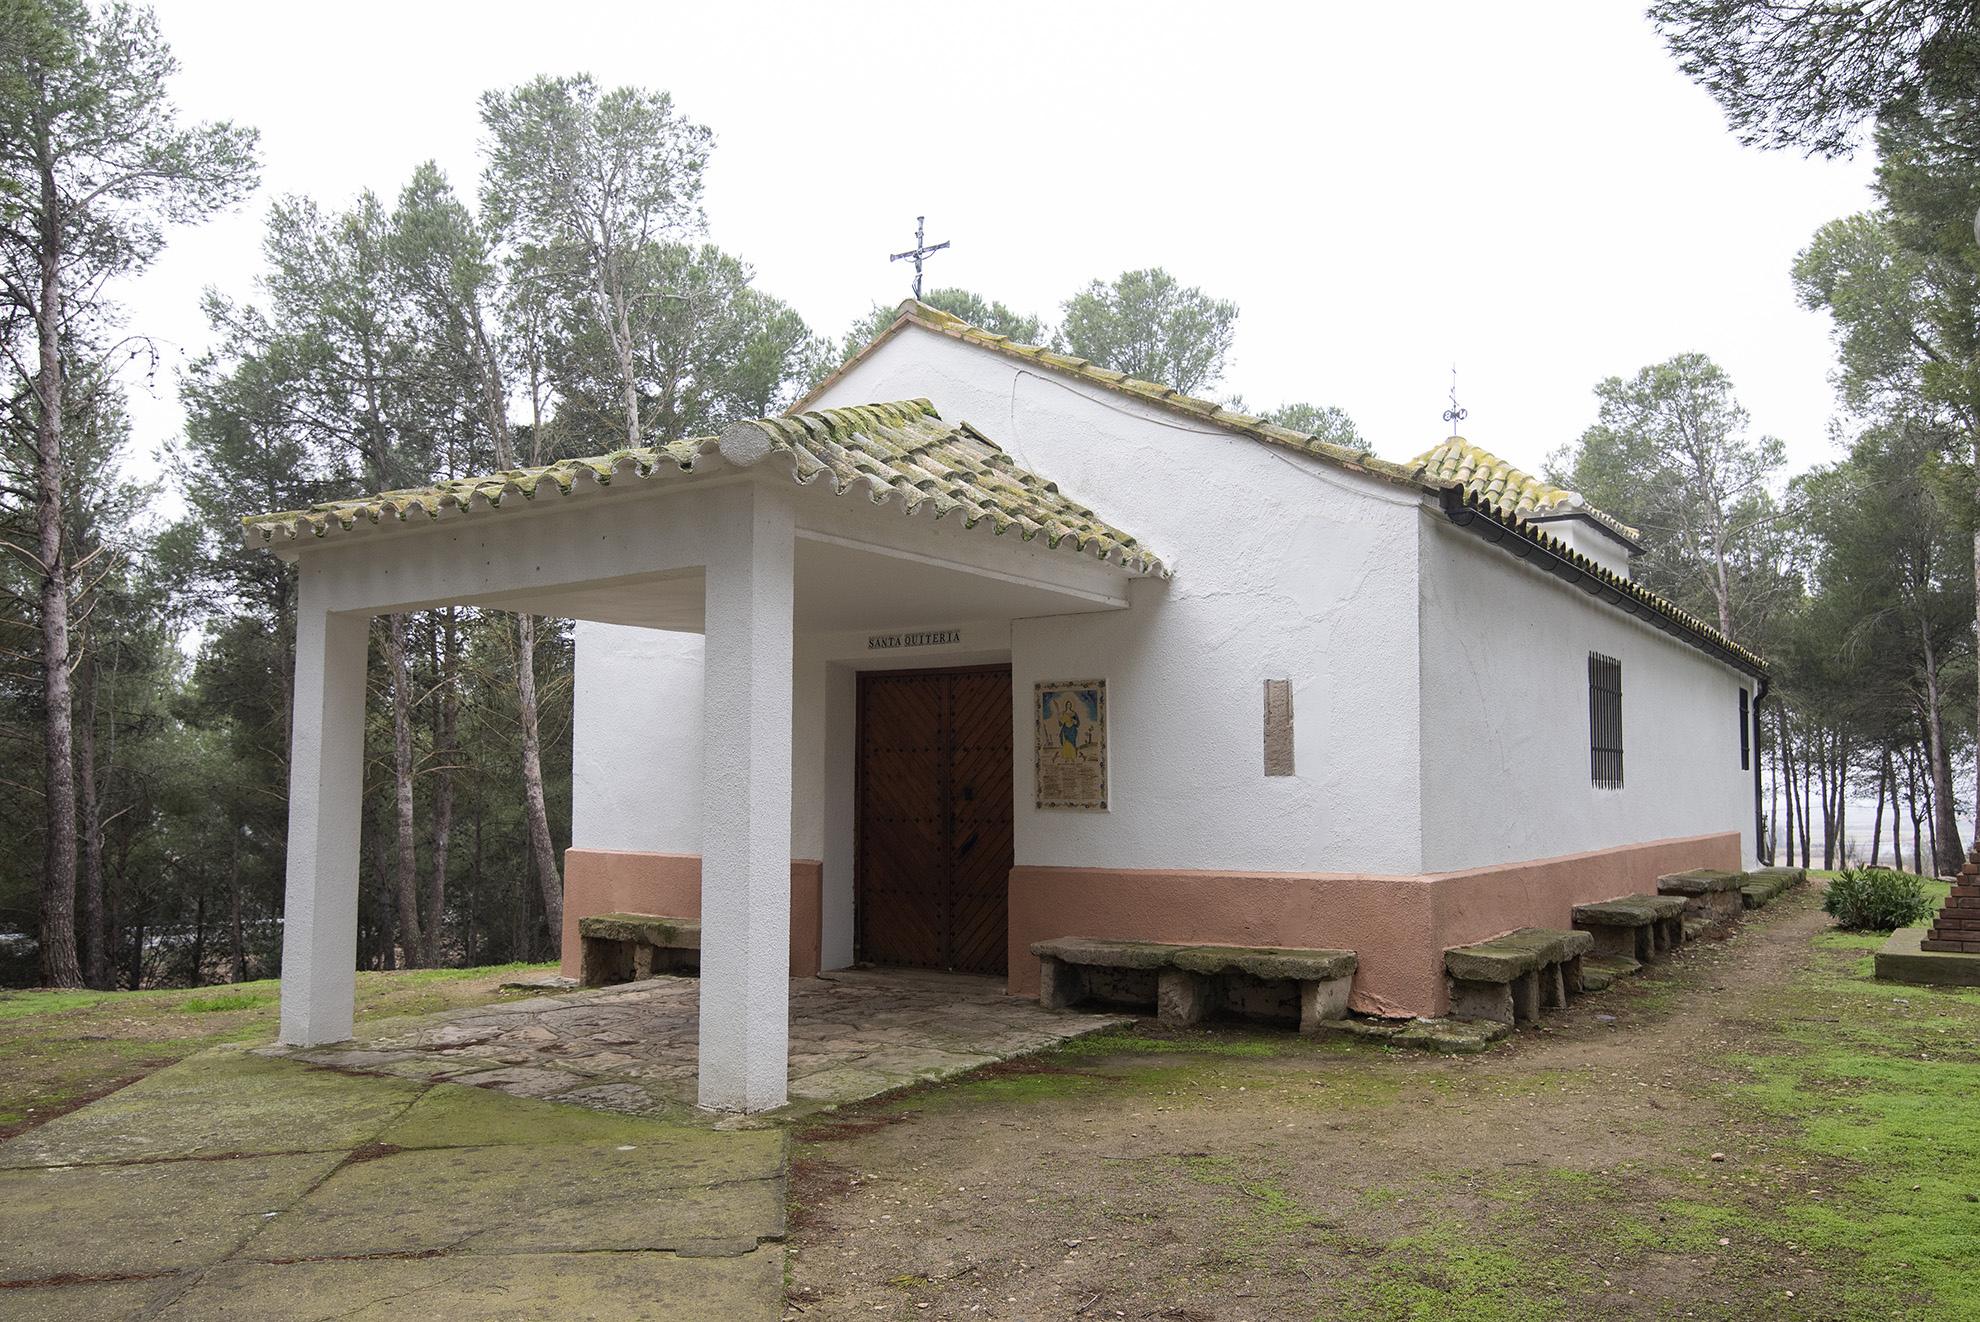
x=1957 y=929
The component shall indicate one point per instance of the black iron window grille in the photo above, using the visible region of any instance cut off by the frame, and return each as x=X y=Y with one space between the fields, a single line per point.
x=1745 y=733
x=1605 y=729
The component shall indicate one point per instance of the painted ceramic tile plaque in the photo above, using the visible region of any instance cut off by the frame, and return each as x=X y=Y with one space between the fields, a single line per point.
x=1071 y=745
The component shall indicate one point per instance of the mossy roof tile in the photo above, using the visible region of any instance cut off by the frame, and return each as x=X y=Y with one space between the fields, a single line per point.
x=901 y=451
x=1509 y=491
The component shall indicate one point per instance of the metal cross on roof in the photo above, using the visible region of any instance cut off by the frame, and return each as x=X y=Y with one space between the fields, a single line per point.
x=1454 y=415
x=920 y=250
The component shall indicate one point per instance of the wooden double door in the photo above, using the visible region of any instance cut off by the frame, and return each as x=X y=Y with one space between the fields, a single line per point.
x=934 y=818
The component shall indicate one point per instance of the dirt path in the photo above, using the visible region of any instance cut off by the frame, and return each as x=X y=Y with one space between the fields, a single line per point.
x=1590 y=1167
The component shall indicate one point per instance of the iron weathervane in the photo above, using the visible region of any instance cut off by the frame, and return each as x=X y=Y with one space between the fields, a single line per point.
x=920 y=250
x=1454 y=415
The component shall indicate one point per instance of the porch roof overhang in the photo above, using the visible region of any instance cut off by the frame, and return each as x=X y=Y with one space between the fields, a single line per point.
x=854 y=569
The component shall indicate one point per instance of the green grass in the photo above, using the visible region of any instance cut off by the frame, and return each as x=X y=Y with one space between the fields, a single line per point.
x=229 y=1001
x=1875 y=1124
x=60 y=1048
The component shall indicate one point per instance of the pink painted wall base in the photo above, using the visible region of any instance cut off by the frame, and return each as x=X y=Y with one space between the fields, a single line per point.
x=631 y=881
x=1398 y=926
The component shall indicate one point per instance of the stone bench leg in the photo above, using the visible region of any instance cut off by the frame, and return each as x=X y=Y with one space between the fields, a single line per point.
x=1184 y=999
x=1481 y=1000
x=1553 y=987
x=602 y=962
x=1526 y=997
x=1321 y=1000
x=1673 y=930
x=1059 y=984
x=642 y=961
x=1647 y=946
x=1571 y=977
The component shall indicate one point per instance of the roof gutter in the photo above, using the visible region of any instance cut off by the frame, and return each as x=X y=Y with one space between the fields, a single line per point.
x=1464 y=510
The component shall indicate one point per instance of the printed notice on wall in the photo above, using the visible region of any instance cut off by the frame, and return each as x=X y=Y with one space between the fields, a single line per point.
x=1071 y=752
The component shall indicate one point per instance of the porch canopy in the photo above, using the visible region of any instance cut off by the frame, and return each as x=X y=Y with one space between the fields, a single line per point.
x=735 y=537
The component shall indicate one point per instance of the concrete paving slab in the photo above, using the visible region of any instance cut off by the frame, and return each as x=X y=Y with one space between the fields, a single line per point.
x=1902 y=960
x=217 y=1103
x=97 y=1301
x=565 y=1197
x=149 y=1217
x=584 y=1287
x=451 y=1115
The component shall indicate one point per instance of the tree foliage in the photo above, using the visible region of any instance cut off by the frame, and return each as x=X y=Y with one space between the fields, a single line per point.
x=594 y=188
x=1148 y=325
x=94 y=164
x=1669 y=454
x=1808 y=73
x=1321 y=422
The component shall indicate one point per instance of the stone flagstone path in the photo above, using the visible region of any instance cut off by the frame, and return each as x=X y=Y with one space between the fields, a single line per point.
x=234 y=1186
x=253 y=1183
x=631 y=1048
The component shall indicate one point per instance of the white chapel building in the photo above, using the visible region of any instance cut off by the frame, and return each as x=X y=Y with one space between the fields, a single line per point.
x=981 y=645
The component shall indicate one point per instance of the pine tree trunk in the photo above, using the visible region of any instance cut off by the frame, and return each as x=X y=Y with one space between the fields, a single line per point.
x=1946 y=853
x=537 y=815
x=1822 y=770
x=1773 y=804
x=58 y=858
x=1842 y=799
x=1807 y=785
x=199 y=942
x=96 y=962
x=1877 y=829
x=407 y=872
x=1787 y=775
x=238 y=950
x=443 y=789
x=381 y=870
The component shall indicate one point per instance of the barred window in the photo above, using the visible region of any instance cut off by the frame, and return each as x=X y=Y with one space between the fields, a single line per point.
x=1605 y=730
x=1745 y=733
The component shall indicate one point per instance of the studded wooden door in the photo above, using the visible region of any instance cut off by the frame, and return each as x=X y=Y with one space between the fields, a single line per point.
x=934 y=818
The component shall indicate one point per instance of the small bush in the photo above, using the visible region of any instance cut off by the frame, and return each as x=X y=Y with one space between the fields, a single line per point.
x=1877 y=900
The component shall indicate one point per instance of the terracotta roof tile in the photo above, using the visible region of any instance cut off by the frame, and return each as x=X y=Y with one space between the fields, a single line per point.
x=1517 y=495
x=902 y=451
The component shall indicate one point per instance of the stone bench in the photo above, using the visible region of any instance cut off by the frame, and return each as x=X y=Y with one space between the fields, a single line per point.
x=629 y=947
x=1764 y=885
x=1188 y=984
x=1636 y=927
x=1512 y=978
x=1712 y=899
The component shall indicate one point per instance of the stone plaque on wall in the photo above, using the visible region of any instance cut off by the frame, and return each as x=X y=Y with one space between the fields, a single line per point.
x=1278 y=727
x=1070 y=750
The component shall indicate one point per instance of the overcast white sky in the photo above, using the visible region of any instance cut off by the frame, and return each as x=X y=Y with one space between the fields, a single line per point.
x=1529 y=191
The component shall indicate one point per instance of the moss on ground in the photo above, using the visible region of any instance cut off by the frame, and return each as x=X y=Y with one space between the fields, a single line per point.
x=61 y=1049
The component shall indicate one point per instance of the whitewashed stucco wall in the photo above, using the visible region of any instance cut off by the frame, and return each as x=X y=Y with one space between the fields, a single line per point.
x=1506 y=774
x=636 y=739
x=1285 y=568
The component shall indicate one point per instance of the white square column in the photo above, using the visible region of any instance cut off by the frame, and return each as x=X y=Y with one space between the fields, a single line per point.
x=326 y=790
x=746 y=805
